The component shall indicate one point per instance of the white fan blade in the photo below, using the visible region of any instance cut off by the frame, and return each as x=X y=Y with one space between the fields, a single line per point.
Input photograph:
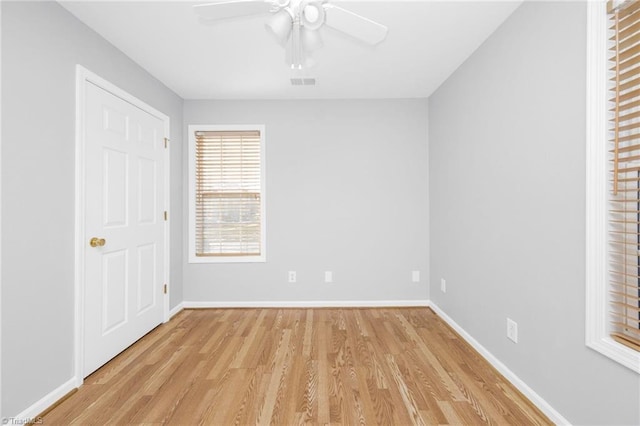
x=232 y=9
x=355 y=25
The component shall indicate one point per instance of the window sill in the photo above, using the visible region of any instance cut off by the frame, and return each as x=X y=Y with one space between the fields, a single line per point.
x=617 y=352
x=234 y=259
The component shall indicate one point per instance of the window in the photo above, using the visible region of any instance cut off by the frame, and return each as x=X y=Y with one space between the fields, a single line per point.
x=613 y=178
x=226 y=194
x=624 y=216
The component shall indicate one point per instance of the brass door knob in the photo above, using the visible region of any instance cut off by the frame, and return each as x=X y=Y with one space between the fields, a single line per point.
x=97 y=242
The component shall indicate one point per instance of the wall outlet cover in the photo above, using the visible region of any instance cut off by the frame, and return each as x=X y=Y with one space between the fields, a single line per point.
x=512 y=330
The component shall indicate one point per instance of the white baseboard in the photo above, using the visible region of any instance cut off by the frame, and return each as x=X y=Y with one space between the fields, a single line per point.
x=40 y=406
x=310 y=304
x=173 y=312
x=536 y=399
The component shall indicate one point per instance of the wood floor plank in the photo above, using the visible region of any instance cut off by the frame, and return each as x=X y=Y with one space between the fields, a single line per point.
x=406 y=395
x=277 y=371
x=391 y=366
x=323 y=371
x=450 y=414
x=307 y=407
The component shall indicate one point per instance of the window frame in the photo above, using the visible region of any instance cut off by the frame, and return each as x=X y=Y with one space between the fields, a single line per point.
x=192 y=128
x=597 y=287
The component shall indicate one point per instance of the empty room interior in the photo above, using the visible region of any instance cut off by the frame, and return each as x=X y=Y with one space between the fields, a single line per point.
x=321 y=212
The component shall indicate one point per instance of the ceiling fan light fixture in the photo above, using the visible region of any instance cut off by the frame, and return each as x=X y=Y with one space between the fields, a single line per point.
x=311 y=14
x=294 y=24
x=311 y=39
x=280 y=25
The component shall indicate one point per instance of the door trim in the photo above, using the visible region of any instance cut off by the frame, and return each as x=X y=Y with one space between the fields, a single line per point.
x=83 y=76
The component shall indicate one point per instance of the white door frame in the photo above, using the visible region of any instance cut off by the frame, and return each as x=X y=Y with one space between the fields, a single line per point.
x=83 y=75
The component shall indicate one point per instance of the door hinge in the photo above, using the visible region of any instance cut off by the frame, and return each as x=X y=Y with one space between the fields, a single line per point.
x=166 y=142
x=165 y=289
x=166 y=215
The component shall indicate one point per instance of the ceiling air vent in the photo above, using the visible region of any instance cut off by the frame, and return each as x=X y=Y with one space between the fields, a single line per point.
x=297 y=81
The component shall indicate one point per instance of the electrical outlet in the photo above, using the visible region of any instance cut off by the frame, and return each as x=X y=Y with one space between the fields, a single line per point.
x=328 y=276
x=292 y=276
x=512 y=330
x=443 y=285
x=415 y=276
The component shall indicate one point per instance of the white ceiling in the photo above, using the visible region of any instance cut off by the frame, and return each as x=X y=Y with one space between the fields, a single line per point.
x=237 y=59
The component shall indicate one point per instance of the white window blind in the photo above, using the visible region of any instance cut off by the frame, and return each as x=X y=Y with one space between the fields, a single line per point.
x=624 y=208
x=228 y=193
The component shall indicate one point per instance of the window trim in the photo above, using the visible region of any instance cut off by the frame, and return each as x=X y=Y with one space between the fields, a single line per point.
x=596 y=333
x=192 y=128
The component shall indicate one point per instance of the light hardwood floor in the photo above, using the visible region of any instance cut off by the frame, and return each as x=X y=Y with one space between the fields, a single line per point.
x=397 y=366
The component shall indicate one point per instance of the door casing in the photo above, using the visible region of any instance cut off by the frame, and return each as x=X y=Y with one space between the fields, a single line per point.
x=83 y=76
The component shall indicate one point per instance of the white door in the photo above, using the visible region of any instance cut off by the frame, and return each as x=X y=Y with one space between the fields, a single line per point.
x=124 y=215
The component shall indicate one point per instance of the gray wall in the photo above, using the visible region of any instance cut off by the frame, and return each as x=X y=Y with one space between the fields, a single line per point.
x=346 y=191
x=41 y=44
x=507 y=173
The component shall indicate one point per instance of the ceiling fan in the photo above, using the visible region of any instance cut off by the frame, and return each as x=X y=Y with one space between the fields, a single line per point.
x=295 y=23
